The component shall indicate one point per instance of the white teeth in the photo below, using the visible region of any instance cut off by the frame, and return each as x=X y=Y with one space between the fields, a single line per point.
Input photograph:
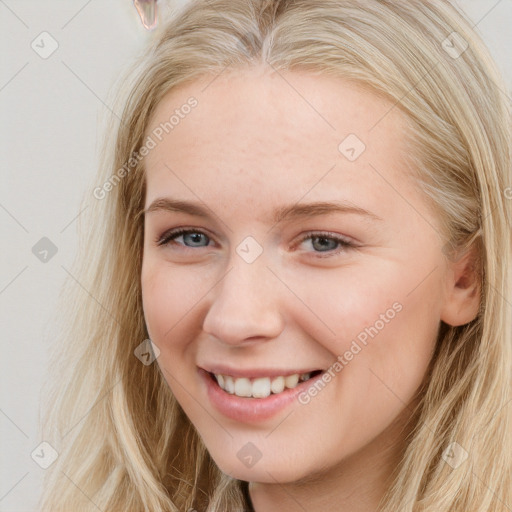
x=291 y=380
x=277 y=385
x=229 y=385
x=243 y=387
x=260 y=387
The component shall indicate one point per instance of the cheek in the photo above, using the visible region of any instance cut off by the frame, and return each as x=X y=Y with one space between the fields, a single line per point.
x=385 y=331
x=155 y=301
x=348 y=301
x=168 y=304
x=169 y=291
x=167 y=297
x=382 y=325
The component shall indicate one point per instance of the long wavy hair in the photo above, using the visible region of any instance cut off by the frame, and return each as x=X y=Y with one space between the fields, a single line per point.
x=124 y=443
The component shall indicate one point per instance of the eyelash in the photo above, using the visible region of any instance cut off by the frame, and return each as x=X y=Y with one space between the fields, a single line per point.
x=344 y=245
x=170 y=236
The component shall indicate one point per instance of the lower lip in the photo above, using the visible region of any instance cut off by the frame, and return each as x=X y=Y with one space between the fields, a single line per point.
x=251 y=410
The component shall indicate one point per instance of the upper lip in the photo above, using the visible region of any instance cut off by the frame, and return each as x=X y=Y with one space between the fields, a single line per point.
x=254 y=373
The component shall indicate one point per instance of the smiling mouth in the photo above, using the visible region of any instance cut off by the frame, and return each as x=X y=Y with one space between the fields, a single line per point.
x=261 y=387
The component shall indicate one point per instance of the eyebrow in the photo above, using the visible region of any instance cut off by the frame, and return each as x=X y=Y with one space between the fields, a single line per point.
x=294 y=211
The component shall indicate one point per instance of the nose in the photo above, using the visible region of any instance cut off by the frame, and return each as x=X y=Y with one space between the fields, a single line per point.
x=245 y=305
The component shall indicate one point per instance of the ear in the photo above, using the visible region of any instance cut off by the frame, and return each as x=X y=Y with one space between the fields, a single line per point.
x=462 y=301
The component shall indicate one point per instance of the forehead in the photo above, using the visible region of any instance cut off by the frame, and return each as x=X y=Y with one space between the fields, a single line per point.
x=260 y=100
x=273 y=131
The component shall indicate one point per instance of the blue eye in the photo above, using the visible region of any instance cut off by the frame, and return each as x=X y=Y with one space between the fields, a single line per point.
x=323 y=244
x=190 y=236
x=327 y=243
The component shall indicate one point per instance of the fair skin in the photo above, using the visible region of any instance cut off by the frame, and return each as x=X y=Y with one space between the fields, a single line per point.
x=252 y=145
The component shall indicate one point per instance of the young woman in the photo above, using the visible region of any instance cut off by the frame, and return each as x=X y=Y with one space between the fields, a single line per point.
x=298 y=271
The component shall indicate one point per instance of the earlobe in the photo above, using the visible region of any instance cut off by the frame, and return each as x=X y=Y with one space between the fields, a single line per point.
x=463 y=294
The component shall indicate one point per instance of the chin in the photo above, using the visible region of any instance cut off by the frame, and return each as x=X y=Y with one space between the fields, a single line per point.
x=269 y=471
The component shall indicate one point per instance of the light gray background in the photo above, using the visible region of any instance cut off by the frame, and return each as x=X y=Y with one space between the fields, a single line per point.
x=50 y=110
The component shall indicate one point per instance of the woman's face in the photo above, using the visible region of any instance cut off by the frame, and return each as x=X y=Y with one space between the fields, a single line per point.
x=308 y=249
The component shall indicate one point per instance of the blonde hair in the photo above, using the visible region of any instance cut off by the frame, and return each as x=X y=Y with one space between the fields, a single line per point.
x=124 y=442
